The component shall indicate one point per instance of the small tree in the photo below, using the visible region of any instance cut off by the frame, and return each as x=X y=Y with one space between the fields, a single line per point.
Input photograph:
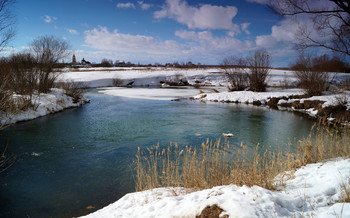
x=106 y=63
x=259 y=65
x=310 y=75
x=48 y=50
x=234 y=69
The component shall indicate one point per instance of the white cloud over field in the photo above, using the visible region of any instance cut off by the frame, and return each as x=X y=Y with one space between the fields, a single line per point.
x=204 y=17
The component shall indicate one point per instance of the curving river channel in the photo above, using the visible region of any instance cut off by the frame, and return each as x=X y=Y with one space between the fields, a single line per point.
x=75 y=162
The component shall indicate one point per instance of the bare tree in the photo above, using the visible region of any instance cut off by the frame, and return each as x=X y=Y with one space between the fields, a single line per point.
x=312 y=78
x=259 y=65
x=7 y=32
x=330 y=20
x=106 y=62
x=48 y=51
x=235 y=71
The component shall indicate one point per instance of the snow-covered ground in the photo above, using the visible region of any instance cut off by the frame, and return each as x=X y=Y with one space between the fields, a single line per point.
x=143 y=76
x=313 y=192
x=97 y=77
x=263 y=97
x=44 y=104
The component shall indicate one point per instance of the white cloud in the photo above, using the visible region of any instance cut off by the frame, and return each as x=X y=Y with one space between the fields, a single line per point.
x=101 y=38
x=284 y=32
x=73 y=31
x=260 y=1
x=126 y=5
x=244 y=27
x=205 y=17
x=48 y=19
x=143 y=5
x=196 y=46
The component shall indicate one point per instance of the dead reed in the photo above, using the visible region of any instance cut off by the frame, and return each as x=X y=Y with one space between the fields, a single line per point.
x=222 y=163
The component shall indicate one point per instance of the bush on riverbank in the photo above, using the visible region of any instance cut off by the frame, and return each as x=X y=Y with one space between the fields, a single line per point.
x=215 y=164
x=25 y=75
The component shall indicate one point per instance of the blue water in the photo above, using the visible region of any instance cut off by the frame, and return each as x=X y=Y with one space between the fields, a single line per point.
x=83 y=157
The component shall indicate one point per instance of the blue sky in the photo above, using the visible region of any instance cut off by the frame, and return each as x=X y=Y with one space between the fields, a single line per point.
x=160 y=31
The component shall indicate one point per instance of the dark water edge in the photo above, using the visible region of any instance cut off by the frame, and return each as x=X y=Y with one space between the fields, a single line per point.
x=83 y=157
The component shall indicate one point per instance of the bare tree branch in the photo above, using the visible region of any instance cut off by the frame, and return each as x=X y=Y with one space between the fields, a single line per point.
x=331 y=22
x=7 y=32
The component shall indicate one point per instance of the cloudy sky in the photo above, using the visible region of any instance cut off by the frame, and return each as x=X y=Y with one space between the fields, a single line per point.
x=151 y=31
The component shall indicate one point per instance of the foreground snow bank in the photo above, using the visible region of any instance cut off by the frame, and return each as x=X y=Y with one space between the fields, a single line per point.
x=313 y=192
x=45 y=103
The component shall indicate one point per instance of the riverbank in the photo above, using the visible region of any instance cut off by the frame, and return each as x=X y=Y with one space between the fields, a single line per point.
x=315 y=190
x=41 y=105
x=336 y=107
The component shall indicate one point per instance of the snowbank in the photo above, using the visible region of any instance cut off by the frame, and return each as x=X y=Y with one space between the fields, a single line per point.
x=313 y=192
x=247 y=96
x=250 y=97
x=45 y=104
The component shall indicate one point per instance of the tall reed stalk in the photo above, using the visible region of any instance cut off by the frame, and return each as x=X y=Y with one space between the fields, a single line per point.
x=221 y=163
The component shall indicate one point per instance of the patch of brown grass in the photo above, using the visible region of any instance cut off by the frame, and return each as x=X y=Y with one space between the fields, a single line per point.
x=216 y=163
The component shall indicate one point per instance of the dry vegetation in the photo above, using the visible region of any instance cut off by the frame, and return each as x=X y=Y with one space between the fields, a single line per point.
x=221 y=163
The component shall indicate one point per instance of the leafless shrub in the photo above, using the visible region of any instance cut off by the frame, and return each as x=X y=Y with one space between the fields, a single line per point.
x=117 y=81
x=234 y=69
x=259 y=66
x=285 y=82
x=345 y=85
x=72 y=89
x=310 y=77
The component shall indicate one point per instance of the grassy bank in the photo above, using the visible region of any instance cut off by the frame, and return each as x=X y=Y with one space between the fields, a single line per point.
x=221 y=163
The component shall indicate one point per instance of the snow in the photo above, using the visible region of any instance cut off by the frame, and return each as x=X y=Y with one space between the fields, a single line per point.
x=247 y=96
x=45 y=103
x=313 y=192
x=152 y=76
x=143 y=76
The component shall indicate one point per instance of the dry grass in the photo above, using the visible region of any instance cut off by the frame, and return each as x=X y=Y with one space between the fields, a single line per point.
x=345 y=197
x=73 y=89
x=222 y=163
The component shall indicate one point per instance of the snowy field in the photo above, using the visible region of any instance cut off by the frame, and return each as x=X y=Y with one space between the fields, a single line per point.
x=313 y=192
x=102 y=77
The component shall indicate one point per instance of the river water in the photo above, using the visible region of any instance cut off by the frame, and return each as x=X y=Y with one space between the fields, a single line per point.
x=80 y=160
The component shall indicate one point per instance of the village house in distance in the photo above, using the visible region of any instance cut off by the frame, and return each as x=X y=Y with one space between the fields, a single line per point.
x=83 y=62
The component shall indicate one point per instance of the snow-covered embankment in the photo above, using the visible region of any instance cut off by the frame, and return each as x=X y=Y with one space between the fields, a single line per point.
x=43 y=104
x=313 y=191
